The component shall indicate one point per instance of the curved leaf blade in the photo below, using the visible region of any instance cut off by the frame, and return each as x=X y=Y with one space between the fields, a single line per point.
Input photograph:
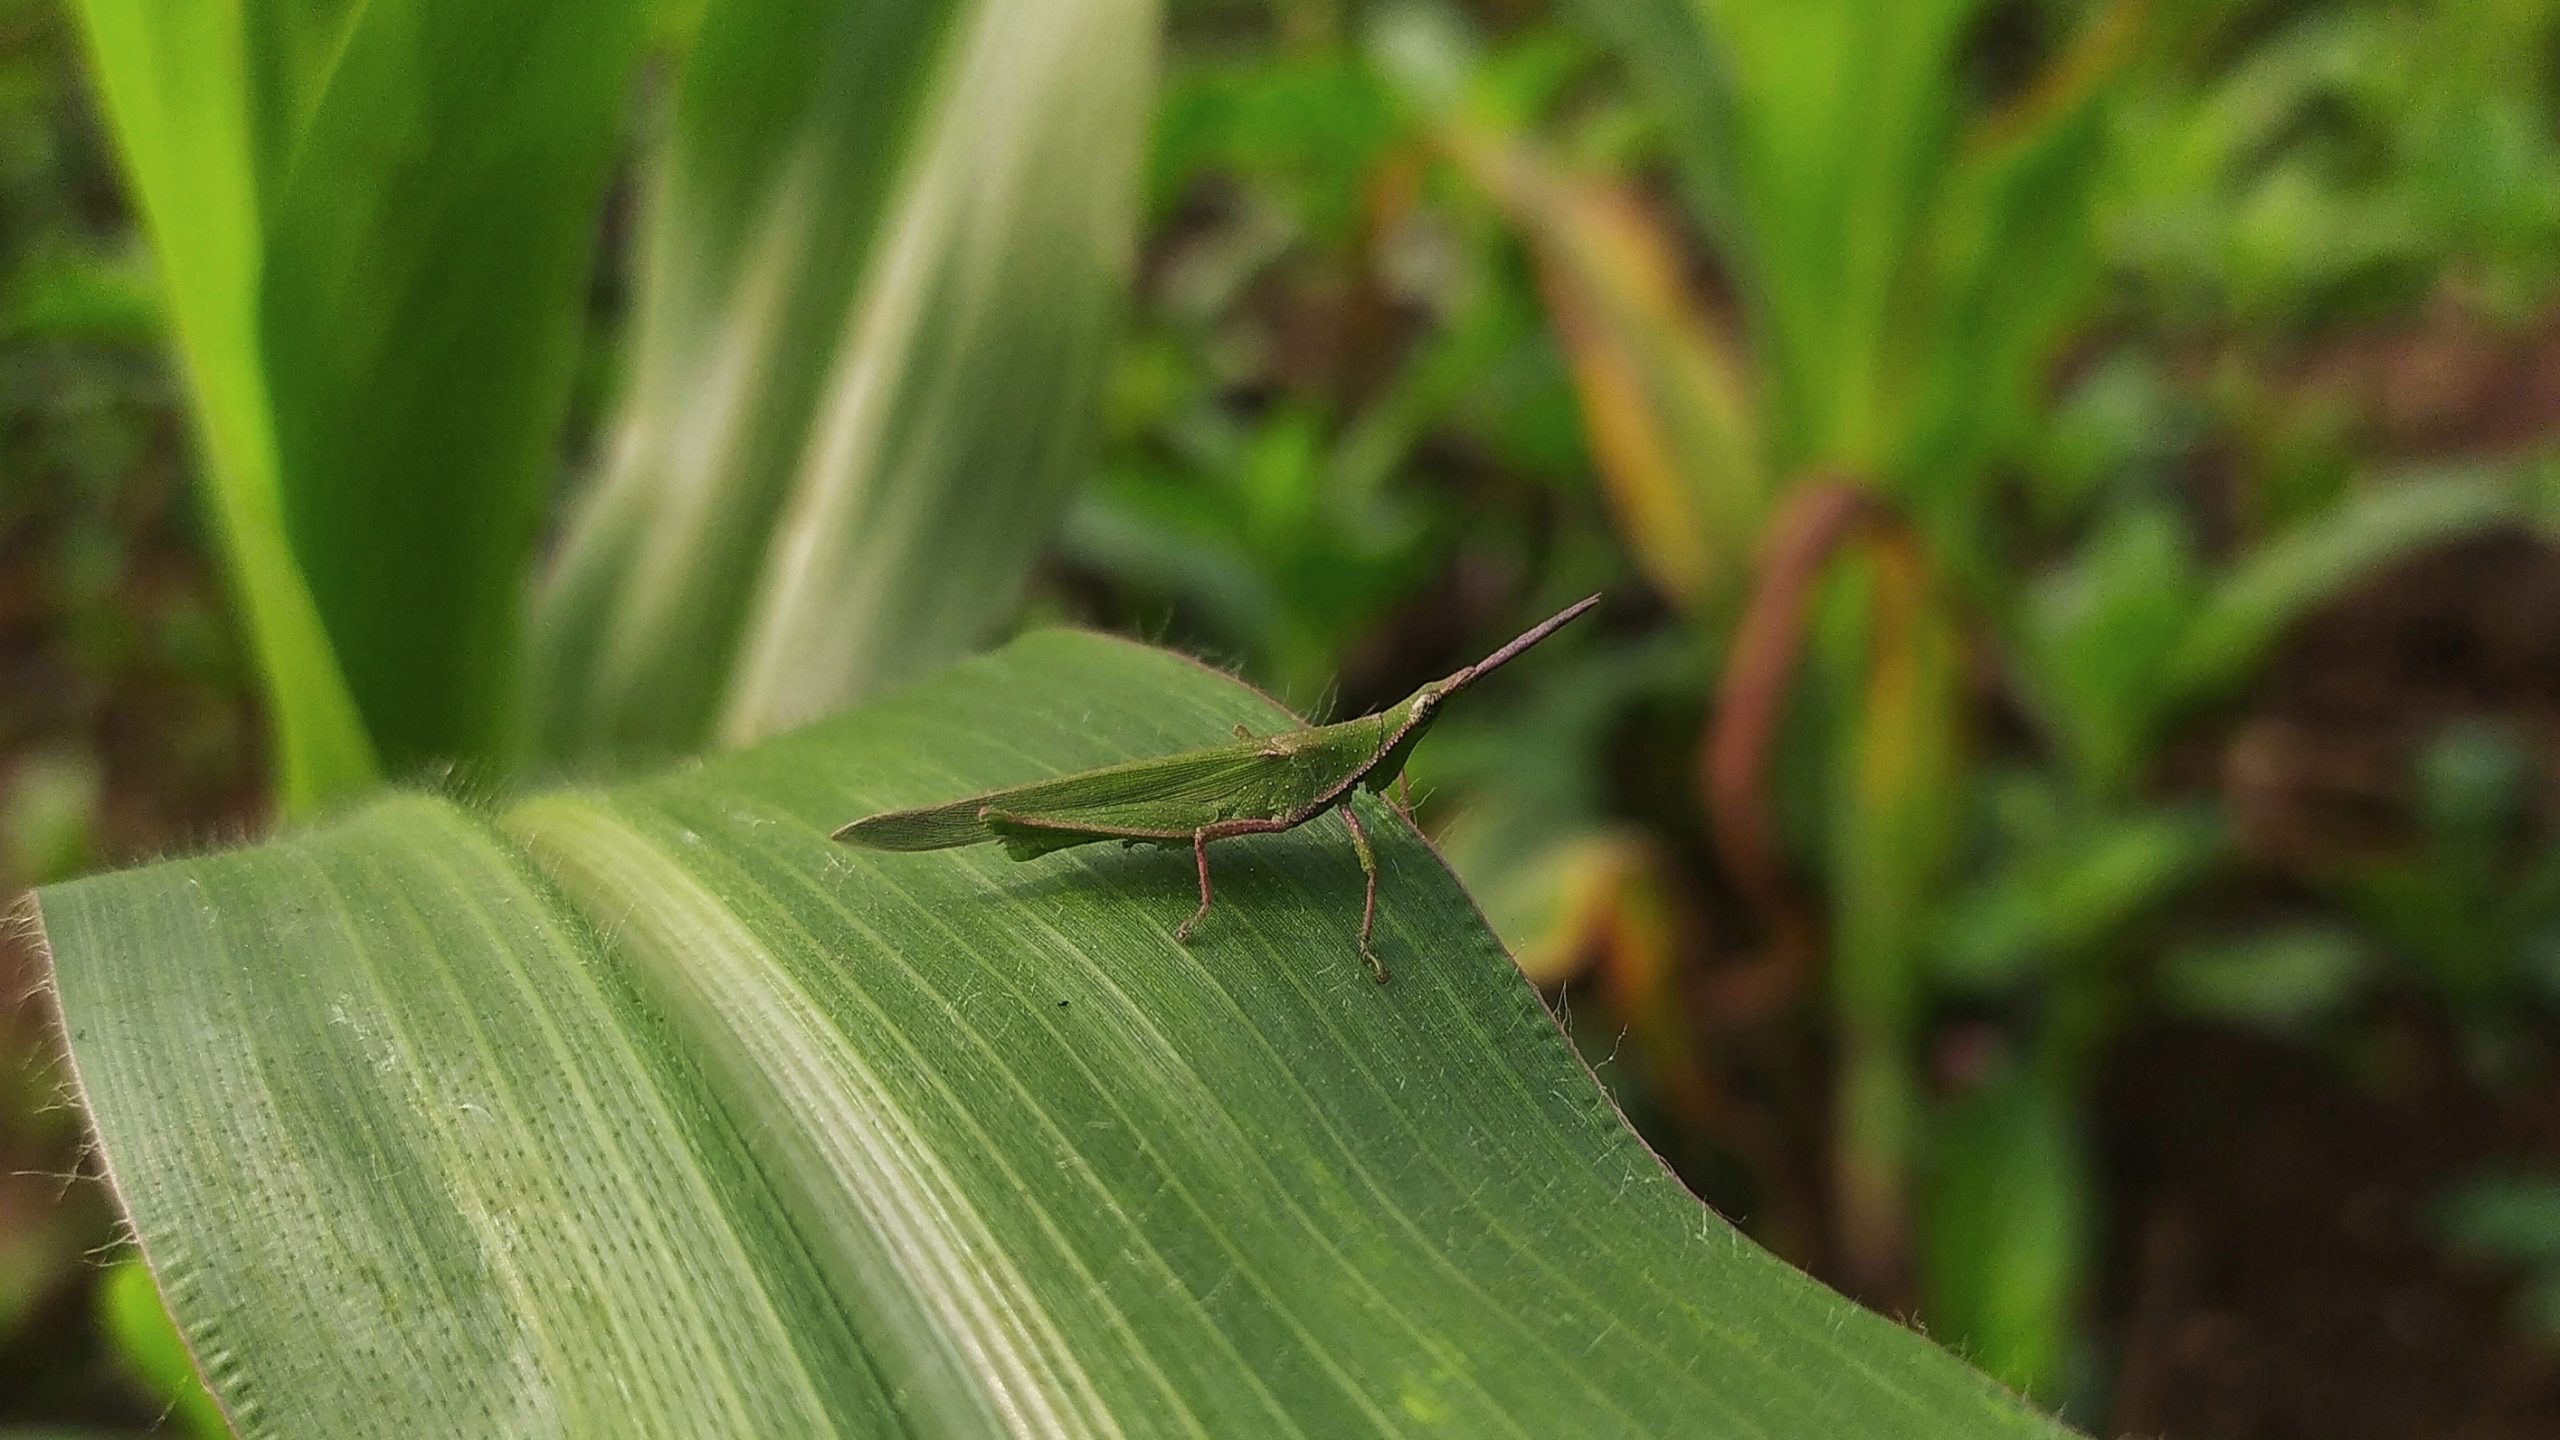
x=765 y=1135
x=882 y=265
x=375 y=221
x=429 y=238
x=176 y=87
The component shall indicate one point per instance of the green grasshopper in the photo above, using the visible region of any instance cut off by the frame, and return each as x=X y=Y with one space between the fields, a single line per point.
x=1257 y=785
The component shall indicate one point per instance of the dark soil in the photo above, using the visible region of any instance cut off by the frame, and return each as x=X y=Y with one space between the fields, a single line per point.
x=2273 y=1272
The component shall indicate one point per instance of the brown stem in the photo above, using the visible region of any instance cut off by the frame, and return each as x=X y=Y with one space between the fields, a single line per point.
x=1751 y=704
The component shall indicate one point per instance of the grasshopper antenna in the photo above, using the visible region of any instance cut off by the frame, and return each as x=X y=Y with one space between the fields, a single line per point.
x=1510 y=652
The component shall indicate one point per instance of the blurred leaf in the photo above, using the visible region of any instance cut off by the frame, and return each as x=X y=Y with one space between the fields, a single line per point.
x=2283 y=978
x=2012 y=262
x=2475 y=783
x=2282 y=579
x=2504 y=1217
x=1265 y=540
x=1907 y=269
x=375 y=224
x=650 y=1110
x=176 y=87
x=49 y=816
x=2476 y=900
x=129 y=1309
x=1815 y=137
x=2011 y=1229
x=1564 y=884
x=1309 y=129
x=2512 y=1220
x=881 y=262
x=2125 y=424
x=2100 y=633
x=1902 y=767
x=113 y=298
x=430 y=220
x=1671 y=421
x=2056 y=896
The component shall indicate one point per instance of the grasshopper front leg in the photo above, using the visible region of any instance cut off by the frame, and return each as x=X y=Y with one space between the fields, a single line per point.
x=1369 y=905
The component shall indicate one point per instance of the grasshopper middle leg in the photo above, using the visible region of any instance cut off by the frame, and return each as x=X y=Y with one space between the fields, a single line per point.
x=1200 y=839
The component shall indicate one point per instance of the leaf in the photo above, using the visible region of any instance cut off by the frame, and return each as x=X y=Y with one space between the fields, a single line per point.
x=2097 y=634
x=1902 y=762
x=174 y=83
x=884 y=251
x=2283 y=579
x=650 y=1111
x=130 y=1312
x=430 y=234
x=374 y=222
x=2011 y=1225
x=1671 y=420
x=1815 y=137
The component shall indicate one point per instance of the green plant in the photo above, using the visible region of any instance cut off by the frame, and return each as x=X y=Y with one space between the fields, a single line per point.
x=375 y=229
x=644 y=1108
x=1337 y=389
x=1822 y=459
x=2341 y=164
x=2511 y=1221
x=1904 y=261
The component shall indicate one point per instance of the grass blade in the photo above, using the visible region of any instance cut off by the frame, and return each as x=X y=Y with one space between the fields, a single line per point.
x=429 y=241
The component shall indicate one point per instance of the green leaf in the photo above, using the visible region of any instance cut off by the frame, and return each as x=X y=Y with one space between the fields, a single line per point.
x=174 y=82
x=2098 y=633
x=2283 y=579
x=883 y=256
x=429 y=242
x=375 y=223
x=2011 y=1220
x=651 y=1111
x=130 y=1312
x=1815 y=137
x=1671 y=419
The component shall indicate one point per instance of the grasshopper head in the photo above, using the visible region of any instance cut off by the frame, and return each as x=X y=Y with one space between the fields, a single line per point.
x=1409 y=720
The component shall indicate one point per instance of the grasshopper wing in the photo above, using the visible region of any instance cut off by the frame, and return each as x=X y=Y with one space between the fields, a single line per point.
x=935 y=827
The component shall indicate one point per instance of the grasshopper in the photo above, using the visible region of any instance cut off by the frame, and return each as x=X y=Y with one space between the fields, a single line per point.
x=1256 y=785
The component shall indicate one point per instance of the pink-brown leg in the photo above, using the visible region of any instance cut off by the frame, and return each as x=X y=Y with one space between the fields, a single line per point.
x=1200 y=851
x=1200 y=839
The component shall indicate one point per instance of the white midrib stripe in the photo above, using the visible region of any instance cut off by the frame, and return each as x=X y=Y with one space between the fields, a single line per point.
x=983 y=1312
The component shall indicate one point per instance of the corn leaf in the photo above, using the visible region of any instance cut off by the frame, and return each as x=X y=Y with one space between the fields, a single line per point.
x=650 y=1111
x=884 y=251
x=174 y=82
x=375 y=223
